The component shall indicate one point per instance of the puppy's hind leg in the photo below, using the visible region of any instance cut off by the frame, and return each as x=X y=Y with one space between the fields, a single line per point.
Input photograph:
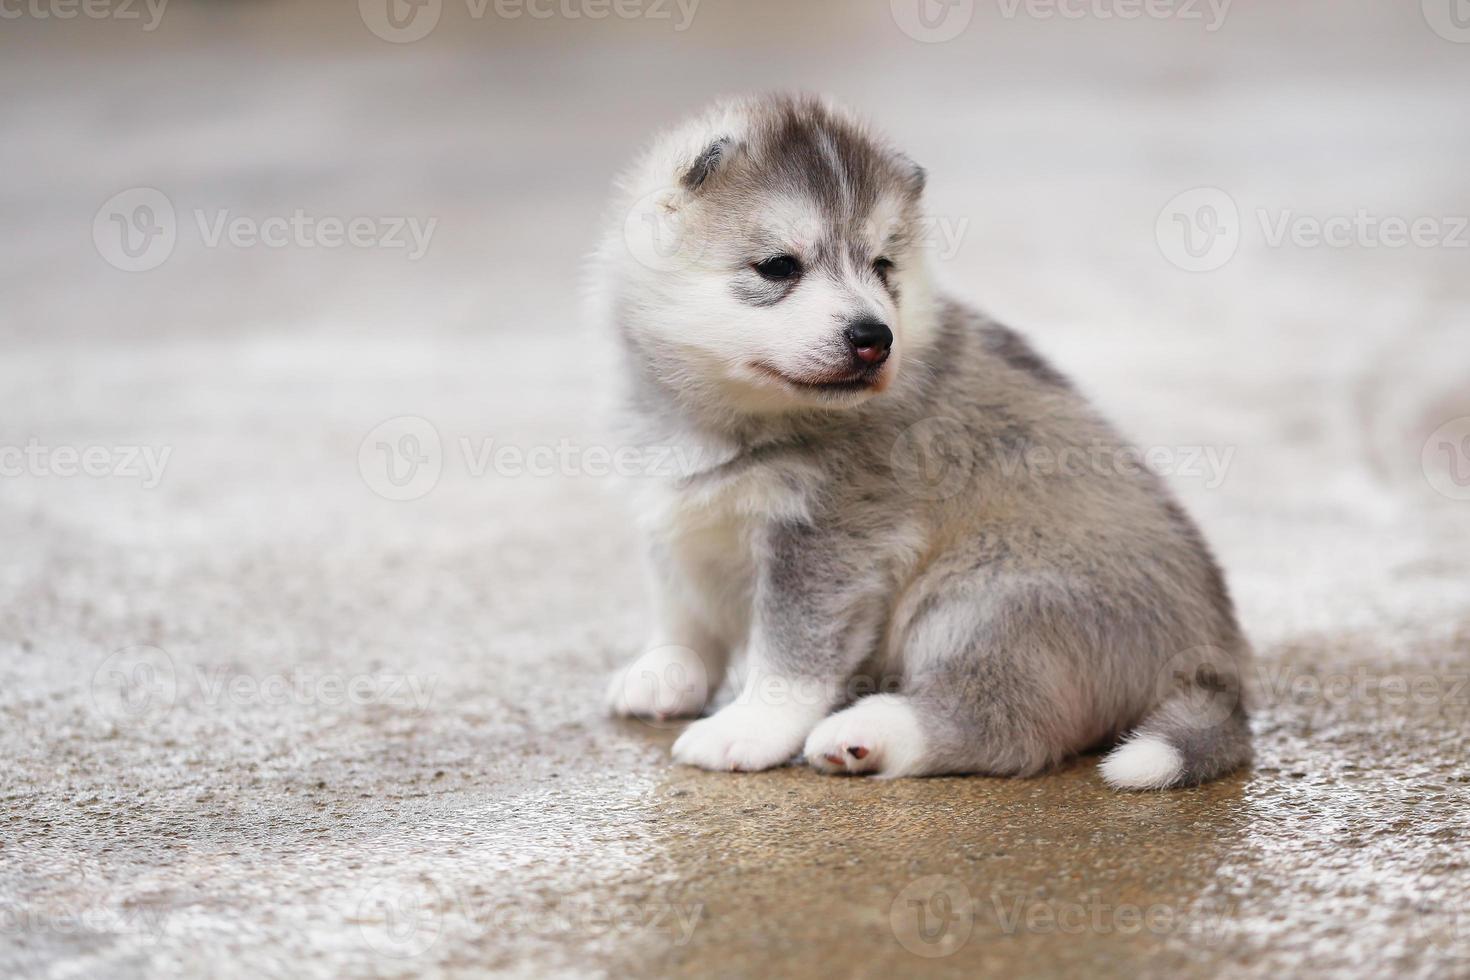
x=879 y=735
x=971 y=721
x=982 y=699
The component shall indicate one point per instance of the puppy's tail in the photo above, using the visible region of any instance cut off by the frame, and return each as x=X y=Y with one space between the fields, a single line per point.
x=1193 y=736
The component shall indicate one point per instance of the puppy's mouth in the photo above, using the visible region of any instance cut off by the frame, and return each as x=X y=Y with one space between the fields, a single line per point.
x=865 y=379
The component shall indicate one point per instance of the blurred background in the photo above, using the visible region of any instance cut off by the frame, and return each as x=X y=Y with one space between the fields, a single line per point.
x=279 y=281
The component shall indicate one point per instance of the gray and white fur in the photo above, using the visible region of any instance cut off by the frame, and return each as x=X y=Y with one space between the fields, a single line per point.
x=934 y=559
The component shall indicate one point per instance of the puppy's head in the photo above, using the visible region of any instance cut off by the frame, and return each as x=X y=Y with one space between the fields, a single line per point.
x=767 y=258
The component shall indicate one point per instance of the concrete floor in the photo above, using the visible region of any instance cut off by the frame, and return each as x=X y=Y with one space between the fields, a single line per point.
x=261 y=720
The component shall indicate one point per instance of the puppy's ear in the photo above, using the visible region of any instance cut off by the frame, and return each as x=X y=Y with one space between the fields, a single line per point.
x=710 y=161
x=918 y=177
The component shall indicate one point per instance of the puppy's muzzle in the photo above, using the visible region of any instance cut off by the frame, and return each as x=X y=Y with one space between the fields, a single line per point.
x=870 y=341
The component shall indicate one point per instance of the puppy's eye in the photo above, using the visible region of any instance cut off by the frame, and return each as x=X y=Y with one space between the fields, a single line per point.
x=779 y=268
x=883 y=267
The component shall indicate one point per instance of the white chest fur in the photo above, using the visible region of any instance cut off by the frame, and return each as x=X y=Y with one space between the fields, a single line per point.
x=709 y=526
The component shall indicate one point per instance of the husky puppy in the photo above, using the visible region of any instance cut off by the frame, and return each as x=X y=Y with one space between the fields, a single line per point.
x=932 y=552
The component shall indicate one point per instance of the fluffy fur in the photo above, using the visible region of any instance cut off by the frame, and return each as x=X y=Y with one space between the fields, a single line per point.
x=945 y=564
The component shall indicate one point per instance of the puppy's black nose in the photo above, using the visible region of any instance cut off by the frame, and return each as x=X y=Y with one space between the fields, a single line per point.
x=870 y=341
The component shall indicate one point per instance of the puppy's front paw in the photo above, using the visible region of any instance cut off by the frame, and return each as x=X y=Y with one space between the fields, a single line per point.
x=879 y=735
x=666 y=682
x=742 y=738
